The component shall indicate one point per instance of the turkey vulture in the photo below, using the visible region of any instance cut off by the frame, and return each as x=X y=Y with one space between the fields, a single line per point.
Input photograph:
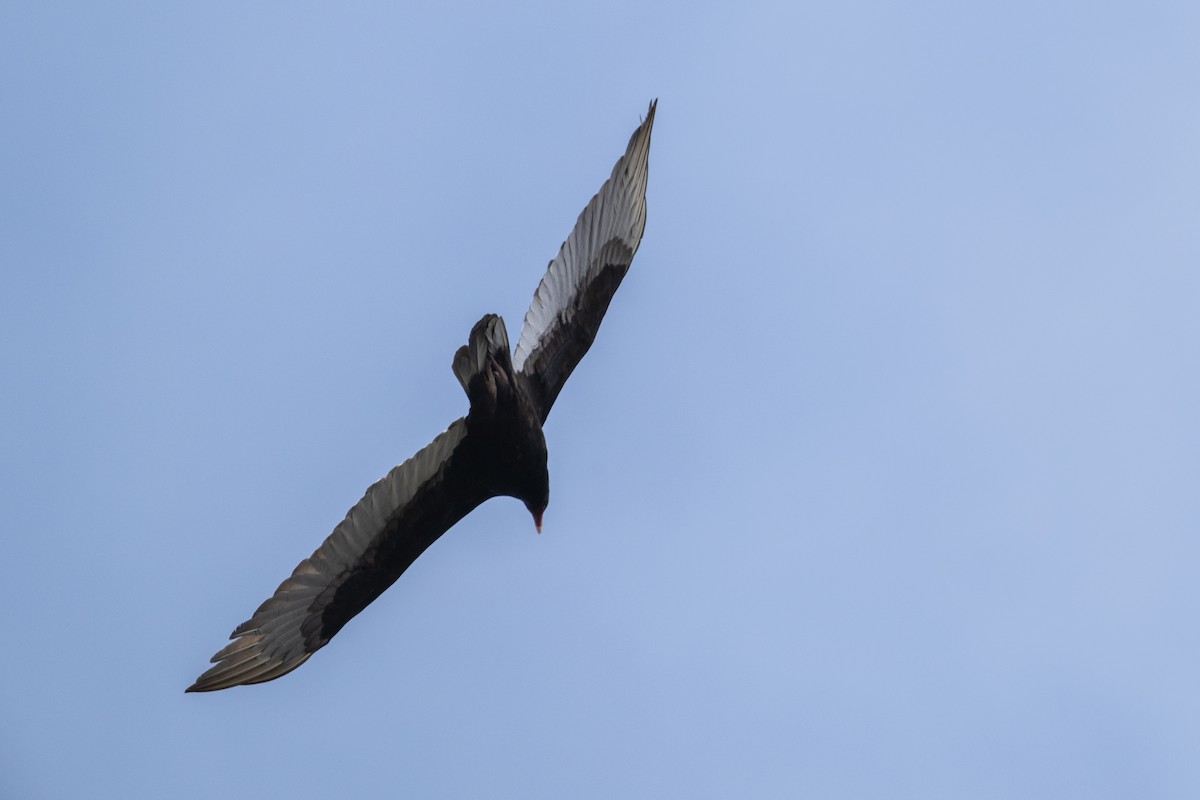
x=496 y=449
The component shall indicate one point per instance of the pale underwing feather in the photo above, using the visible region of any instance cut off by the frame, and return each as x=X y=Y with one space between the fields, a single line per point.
x=616 y=214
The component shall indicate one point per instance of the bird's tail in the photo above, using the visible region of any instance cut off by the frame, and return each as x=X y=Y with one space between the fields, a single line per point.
x=489 y=341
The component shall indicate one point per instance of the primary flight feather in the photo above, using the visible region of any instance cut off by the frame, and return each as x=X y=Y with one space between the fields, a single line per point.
x=496 y=449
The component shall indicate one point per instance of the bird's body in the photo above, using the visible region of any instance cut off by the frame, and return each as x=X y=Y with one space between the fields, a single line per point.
x=497 y=449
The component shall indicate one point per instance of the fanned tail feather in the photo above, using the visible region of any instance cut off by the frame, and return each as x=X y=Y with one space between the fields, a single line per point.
x=489 y=338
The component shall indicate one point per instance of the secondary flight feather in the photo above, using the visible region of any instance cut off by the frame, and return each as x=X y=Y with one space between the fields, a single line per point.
x=497 y=449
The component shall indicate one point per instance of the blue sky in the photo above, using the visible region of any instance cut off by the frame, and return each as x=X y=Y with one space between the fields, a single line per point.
x=880 y=480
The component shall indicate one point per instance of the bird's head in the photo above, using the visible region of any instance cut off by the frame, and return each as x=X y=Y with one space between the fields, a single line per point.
x=537 y=502
x=535 y=492
x=537 y=512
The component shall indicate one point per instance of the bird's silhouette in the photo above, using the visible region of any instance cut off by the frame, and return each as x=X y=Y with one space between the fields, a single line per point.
x=496 y=449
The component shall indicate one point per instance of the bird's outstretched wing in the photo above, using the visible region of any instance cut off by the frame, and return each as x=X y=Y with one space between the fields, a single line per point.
x=398 y=518
x=570 y=302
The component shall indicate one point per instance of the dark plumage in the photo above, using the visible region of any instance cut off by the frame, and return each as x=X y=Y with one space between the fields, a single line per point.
x=497 y=449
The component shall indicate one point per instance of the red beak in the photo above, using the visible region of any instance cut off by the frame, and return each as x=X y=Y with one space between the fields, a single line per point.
x=537 y=520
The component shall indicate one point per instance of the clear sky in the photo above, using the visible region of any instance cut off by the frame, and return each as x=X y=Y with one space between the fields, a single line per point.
x=880 y=480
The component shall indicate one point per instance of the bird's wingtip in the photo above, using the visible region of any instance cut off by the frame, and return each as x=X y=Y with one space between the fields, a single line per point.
x=199 y=686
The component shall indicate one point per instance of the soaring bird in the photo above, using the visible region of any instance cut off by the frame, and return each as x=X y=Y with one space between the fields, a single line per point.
x=496 y=450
